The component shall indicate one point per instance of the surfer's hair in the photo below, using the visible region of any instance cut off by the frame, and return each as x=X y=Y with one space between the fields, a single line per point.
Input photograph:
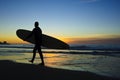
x=36 y=24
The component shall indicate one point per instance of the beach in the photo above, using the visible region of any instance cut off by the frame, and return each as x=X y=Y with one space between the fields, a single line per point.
x=21 y=71
x=59 y=64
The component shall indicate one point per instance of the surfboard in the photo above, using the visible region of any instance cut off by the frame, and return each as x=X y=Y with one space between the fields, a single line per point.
x=47 y=41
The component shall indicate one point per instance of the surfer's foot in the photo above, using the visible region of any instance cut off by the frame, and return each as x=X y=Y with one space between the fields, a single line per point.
x=31 y=61
x=42 y=64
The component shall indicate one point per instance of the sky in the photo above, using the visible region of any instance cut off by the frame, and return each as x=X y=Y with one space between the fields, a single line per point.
x=73 y=21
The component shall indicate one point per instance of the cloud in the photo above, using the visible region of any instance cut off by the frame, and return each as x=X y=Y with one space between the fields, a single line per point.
x=88 y=1
x=113 y=41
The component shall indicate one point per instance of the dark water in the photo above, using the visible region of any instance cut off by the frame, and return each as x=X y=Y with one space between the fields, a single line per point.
x=97 y=61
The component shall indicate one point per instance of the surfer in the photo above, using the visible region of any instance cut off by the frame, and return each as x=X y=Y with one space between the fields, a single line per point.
x=37 y=32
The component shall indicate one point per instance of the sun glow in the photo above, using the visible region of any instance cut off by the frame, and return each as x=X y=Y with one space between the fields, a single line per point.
x=68 y=40
x=12 y=40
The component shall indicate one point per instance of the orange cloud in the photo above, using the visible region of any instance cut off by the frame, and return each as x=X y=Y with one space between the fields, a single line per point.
x=95 y=40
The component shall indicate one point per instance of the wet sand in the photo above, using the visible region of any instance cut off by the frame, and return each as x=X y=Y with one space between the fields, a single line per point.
x=10 y=70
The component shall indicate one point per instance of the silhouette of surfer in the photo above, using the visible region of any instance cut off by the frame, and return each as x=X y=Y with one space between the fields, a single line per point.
x=37 y=32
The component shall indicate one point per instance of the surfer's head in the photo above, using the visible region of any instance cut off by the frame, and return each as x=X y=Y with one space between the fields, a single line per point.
x=36 y=24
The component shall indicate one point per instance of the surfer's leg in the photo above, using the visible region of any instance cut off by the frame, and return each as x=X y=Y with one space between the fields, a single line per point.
x=34 y=54
x=41 y=55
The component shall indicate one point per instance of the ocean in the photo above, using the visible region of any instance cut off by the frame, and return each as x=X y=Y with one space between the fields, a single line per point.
x=103 y=62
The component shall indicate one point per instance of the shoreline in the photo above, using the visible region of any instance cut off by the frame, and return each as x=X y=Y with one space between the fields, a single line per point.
x=22 y=71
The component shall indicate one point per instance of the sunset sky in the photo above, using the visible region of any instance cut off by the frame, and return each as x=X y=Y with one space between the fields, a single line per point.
x=73 y=21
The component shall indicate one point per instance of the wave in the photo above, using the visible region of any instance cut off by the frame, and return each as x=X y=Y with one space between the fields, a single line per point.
x=27 y=48
x=17 y=46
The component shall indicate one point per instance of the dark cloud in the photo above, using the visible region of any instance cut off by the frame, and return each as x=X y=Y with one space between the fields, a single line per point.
x=97 y=41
